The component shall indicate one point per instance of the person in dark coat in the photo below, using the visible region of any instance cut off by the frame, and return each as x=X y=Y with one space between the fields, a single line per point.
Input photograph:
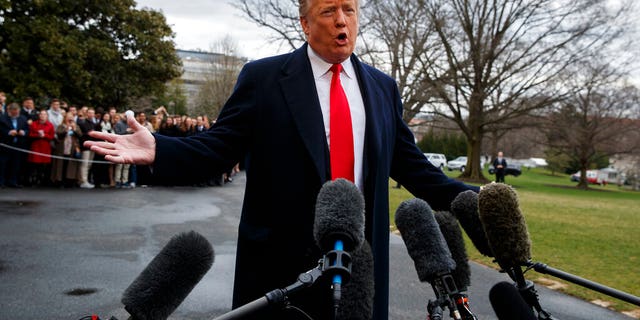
x=278 y=116
x=13 y=133
x=500 y=166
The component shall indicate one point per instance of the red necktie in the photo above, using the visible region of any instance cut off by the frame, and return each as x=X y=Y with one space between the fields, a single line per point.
x=340 y=132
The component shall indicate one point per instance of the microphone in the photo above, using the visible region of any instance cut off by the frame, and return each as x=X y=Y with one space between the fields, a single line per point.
x=428 y=249
x=338 y=227
x=452 y=235
x=465 y=208
x=508 y=237
x=508 y=304
x=462 y=273
x=507 y=233
x=357 y=297
x=169 y=277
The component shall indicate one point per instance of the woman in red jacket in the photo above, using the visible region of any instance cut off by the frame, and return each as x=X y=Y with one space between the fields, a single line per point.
x=41 y=133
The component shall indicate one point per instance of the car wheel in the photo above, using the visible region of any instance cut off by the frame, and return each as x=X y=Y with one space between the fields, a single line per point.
x=462 y=169
x=442 y=167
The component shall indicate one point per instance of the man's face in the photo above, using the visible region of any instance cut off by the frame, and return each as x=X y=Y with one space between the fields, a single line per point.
x=91 y=114
x=3 y=98
x=27 y=104
x=55 y=106
x=43 y=115
x=14 y=113
x=331 y=27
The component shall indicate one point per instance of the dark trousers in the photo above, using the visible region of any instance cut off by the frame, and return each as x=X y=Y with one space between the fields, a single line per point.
x=500 y=175
x=10 y=161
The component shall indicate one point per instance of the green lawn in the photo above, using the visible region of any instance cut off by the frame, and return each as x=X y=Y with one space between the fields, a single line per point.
x=592 y=234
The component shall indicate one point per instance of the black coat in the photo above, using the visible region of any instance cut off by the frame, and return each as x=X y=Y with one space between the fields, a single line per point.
x=274 y=119
x=6 y=125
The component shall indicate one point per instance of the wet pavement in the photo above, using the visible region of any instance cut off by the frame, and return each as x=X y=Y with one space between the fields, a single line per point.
x=69 y=253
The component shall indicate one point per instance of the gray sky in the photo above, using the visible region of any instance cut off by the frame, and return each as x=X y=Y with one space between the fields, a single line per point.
x=200 y=23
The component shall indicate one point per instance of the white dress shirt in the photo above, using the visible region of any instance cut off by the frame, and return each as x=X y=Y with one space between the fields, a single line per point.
x=322 y=76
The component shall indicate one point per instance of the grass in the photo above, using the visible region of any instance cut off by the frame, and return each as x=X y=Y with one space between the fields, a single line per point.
x=592 y=234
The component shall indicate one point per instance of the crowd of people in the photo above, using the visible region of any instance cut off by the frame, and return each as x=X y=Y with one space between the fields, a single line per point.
x=46 y=147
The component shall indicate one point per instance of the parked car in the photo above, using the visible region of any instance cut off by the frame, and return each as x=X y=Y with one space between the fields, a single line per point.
x=437 y=159
x=458 y=163
x=593 y=177
x=512 y=169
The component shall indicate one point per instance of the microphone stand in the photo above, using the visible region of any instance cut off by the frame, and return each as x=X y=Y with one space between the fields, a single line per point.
x=333 y=263
x=545 y=269
x=448 y=296
x=528 y=292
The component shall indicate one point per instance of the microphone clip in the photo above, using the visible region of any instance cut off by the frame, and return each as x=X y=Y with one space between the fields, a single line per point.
x=337 y=262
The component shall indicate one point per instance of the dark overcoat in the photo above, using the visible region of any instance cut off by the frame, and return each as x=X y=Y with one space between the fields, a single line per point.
x=273 y=121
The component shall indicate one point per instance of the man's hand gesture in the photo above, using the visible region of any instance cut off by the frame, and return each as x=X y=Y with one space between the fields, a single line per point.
x=136 y=148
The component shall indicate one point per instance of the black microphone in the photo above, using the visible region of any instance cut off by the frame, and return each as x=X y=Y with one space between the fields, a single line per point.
x=428 y=249
x=508 y=304
x=462 y=273
x=452 y=235
x=507 y=233
x=339 y=227
x=465 y=208
x=169 y=277
x=508 y=237
x=357 y=294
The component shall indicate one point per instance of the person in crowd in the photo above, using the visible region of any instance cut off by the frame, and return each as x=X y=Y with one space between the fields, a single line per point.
x=141 y=116
x=112 y=113
x=103 y=173
x=55 y=113
x=167 y=128
x=73 y=109
x=500 y=166
x=279 y=114
x=186 y=129
x=41 y=133
x=13 y=134
x=3 y=102
x=29 y=110
x=200 y=126
x=87 y=122
x=121 y=172
x=65 y=170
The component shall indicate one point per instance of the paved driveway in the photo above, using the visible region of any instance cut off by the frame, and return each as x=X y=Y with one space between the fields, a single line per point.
x=68 y=253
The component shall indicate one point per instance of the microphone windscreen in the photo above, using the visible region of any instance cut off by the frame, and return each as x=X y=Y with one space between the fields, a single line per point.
x=339 y=215
x=453 y=236
x=465 y=208
x=169 y=277
x=357 y=294
x=504 y=224
x=424 y=241
x=508 y=304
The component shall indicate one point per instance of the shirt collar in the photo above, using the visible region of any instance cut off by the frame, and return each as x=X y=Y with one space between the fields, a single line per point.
x=321 y=67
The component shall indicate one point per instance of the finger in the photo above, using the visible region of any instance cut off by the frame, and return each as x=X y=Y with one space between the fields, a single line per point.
x=132 y=122
x=103 y=135
x=103 y=145
x=115 y=159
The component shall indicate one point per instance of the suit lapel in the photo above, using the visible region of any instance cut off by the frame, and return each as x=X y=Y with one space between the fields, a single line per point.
x=372 y=147
x=300 y=93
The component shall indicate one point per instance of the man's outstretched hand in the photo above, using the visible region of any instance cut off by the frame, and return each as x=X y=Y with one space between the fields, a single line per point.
x=136 y=148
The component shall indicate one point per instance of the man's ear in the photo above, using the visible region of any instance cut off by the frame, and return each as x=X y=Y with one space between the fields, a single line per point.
x=305 y=25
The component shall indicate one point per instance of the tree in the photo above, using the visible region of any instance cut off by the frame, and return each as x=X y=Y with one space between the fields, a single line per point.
x=220 y=78
x=597 y=121
x=504 y=58
x=174 y=98
x=90 y=52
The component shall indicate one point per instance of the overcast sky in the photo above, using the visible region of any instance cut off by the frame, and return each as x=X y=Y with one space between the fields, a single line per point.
x=200 y=23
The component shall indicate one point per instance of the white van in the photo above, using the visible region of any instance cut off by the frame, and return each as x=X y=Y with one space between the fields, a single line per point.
x=437 y=159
